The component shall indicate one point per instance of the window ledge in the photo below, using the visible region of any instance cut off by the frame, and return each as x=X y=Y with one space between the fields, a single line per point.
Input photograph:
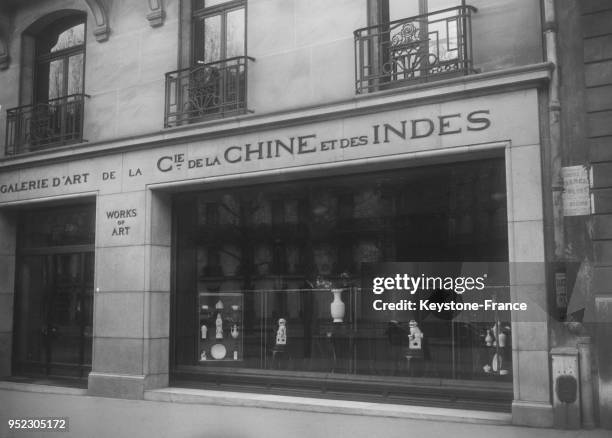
x=304 y=404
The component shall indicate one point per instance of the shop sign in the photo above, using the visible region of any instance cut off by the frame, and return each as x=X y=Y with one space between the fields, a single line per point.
x=506 y=118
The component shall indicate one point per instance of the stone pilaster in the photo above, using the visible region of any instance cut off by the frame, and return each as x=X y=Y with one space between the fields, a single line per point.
x=132 y=298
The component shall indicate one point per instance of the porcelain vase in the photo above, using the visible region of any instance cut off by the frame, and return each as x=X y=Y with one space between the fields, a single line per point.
x=337 y=306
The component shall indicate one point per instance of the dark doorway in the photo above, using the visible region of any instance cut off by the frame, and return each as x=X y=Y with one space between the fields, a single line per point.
x=54 y=294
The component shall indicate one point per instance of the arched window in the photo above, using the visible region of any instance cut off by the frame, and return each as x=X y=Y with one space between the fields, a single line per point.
x=60 y=56
x=52 y=85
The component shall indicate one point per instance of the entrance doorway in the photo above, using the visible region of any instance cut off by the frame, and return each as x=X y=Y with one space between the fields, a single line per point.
x=54 y=299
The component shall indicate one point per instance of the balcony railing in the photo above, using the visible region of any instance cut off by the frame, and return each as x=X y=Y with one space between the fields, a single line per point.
x=206 y=91
x=415 y=49
x=45 y=125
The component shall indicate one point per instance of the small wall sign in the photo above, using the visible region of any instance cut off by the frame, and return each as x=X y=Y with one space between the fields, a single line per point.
x=576 y=195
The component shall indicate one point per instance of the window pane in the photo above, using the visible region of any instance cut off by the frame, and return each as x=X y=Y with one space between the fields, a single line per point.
x=75 y=74
x=69 y=38
x=58 y=227
x=399 y=9
x=235 y=33
x=212 y=38
x=209 y=3
x=56 y=78
x=438 y=5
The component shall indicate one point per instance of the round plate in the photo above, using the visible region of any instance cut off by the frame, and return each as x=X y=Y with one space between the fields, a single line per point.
x=218 y=351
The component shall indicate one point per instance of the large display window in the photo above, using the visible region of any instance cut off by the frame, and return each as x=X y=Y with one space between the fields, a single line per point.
x=268 y=281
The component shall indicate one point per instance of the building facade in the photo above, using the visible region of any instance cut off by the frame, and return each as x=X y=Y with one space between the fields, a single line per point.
x=190 y=190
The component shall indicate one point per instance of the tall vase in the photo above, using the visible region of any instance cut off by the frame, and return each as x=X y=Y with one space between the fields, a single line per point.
x=337 y=306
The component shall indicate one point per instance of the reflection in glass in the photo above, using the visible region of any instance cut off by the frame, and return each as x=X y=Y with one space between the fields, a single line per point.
x=56 y=78
x=75 y=74
x=212 y=39
x=235 y=33
x=70 y=38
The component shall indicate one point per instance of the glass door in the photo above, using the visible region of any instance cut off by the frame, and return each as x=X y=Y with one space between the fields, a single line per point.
x=54 y=293
x=55 y=314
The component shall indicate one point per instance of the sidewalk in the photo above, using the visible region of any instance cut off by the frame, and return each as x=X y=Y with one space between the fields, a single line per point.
x=212 y=414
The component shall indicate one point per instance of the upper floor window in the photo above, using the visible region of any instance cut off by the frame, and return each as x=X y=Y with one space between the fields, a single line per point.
x=52 y=95
x=60 y=56
x=218 y=30
x=215 y=83
x=411 y=41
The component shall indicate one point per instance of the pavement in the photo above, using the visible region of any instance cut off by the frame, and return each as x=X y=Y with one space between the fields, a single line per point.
x=174 y=412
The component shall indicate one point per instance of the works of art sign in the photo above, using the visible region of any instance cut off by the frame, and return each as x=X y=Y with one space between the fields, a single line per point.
x=509 y=118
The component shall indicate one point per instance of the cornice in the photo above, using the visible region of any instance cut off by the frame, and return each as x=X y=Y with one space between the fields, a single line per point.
x=491 y=83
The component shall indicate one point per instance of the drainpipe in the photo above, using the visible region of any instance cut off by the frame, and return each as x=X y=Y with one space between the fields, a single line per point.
x=554 y=114
x=556 y=157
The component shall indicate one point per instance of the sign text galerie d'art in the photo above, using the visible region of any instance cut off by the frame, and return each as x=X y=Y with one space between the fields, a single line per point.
x=407 y=130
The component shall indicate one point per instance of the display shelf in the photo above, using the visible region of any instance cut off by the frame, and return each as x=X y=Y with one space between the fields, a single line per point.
x=220 y=327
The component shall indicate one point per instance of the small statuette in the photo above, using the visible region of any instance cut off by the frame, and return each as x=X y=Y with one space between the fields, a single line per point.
x=219 y=324
x=281 y=333
x=235 y=354
x=219 y=305
x=501 y=339
x=203 y=355
x=488 y=339
x=203 y=331
x=415 y=337
x=234 y=331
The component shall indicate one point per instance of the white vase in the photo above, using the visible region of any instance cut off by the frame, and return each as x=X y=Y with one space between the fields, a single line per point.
x=337 y=306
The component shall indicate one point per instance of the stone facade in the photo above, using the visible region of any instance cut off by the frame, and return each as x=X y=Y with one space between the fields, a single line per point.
x=301 y=85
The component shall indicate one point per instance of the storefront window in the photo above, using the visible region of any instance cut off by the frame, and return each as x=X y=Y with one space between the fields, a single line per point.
x=269 y=277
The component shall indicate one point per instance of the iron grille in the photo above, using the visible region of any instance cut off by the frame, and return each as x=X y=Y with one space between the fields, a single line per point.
x=45 y=125
x=206 y=91
x=415 y=49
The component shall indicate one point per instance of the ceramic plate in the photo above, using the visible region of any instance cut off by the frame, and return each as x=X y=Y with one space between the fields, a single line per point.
x=218 y=351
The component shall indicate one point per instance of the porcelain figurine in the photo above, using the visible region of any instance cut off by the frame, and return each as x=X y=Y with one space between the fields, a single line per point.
x=234 y=331
x=488 y=339
x=235 y=354
x=219 y=324
x=203 y=355
x=203 y=331
x=415 y=338
x=281 y=333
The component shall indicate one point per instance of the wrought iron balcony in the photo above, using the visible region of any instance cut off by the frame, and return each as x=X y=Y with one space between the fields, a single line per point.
x=416 y=49
x=206 y=91
x=45 y=125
